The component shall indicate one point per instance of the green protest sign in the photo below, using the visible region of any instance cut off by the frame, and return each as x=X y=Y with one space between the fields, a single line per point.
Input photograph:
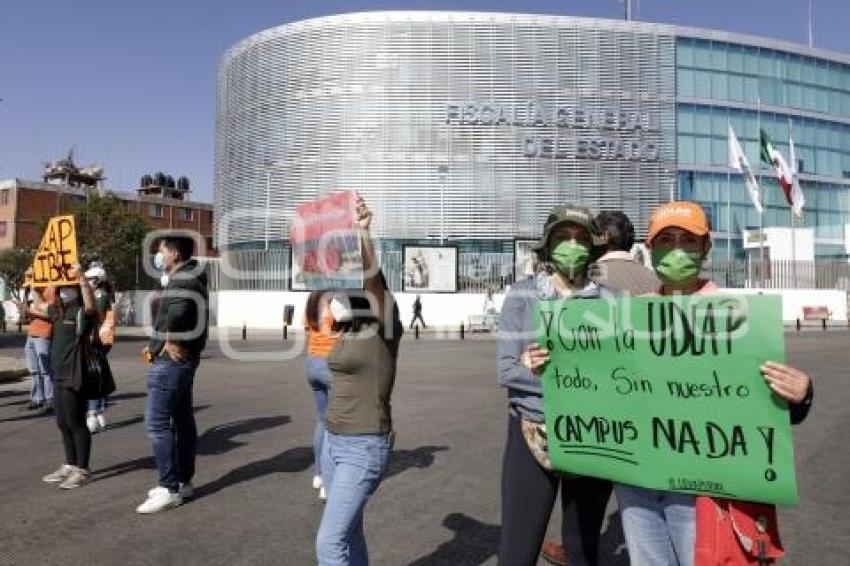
x=666 y=393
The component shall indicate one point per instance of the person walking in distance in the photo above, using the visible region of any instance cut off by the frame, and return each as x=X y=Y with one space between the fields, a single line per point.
x=417 y=312
x=174 y=351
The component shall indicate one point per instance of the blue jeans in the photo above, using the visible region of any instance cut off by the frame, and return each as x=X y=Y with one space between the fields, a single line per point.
x=170 y=422
x=37 y=351
x=97 y=405
x=660 y=526
x=352 y=468
x=319 y=380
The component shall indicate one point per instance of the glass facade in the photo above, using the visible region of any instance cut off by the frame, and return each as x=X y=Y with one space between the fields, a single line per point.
x=784 y=92
x=455 y=126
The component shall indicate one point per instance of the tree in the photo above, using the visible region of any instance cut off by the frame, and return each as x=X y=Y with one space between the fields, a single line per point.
x=109 y=233
x=13 y=263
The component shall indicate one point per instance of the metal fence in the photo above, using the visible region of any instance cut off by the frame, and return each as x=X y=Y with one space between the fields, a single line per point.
x=260 y=270
x=780 y=274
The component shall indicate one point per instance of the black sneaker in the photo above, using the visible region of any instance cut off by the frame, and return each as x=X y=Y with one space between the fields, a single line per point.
x=32 y=406
x=48 y=408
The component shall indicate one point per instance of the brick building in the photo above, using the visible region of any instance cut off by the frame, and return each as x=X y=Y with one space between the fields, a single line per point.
x=26 y=205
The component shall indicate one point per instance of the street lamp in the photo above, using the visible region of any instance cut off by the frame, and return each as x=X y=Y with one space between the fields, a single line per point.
x=442 y=170
x=269 y=166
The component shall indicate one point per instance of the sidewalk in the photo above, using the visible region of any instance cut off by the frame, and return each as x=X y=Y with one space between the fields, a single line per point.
x=12 y=369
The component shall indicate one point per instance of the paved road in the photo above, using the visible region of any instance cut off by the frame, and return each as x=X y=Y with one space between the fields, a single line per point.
x=440 y=504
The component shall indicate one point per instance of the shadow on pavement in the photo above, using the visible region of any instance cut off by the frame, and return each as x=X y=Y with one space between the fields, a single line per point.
x=125 y=423
x=14 y=393
x=28 y=415
x=126 y=396
x=402 y=460
x=473 y=543
x=293 y=460
x=219 y=439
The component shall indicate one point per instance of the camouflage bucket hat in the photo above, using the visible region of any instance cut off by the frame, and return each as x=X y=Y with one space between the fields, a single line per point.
x=562 y=214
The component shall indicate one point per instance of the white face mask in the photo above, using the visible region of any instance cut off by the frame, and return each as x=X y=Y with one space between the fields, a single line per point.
x=159 y=261
x=341 y=308
x=163 y=280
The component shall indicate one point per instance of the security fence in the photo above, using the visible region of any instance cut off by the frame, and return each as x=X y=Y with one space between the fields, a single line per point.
x=260 y=270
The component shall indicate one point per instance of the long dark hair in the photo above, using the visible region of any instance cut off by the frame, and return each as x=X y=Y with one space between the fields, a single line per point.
x=311 y=310
x=361 y=309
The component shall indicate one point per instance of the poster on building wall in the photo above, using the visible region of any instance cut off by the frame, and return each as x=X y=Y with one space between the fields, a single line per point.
x=430 y=269
x=325 y=244
x=56 y=253
x=525 y=260
x=667 y=393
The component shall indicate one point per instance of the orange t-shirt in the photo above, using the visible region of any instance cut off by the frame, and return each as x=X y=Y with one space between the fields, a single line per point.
x=38 y=327
x=321 y=340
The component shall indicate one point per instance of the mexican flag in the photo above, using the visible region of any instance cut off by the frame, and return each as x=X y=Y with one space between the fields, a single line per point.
x=771 y=156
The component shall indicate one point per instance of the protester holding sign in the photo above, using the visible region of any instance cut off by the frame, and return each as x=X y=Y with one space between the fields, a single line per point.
x=72 y=317
x=661 y=527
x=359 y=417
x=321 y=339
x=529 y=485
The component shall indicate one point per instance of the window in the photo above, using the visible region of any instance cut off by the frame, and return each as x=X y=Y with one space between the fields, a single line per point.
x=187 y=214
x=155 y=210
x=4 y=197
x=3 y=227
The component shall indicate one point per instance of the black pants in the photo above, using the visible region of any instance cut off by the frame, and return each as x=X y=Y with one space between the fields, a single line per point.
x=70 y=409
x=528 y=494
x=418 y=316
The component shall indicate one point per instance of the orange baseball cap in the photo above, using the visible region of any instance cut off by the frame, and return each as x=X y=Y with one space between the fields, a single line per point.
x=682 y=214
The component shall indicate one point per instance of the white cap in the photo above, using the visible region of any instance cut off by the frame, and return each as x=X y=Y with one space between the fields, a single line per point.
x=96 y=272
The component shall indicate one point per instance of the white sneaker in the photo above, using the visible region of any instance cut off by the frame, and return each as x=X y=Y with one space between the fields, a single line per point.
x=187 y=491
x=322 y=495
x=77 y=478
x=101 y=421
x=159 y=499
x=92 y=423
x=317 y=482
x=60 y=475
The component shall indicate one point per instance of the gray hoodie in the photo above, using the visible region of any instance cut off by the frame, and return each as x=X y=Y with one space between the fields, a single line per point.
x=516 y=332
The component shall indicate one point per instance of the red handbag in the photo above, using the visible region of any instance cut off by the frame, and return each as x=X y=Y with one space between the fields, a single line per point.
x=736 y=533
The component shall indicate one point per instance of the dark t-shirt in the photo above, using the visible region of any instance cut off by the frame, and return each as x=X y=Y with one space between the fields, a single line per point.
x=363 y=365
x=63 y=348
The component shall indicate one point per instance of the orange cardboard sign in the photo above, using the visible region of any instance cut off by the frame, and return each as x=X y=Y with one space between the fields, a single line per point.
x=56 y=254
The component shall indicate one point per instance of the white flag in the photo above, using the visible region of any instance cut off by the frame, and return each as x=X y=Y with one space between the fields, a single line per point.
x=798 y=200
x=738 y=161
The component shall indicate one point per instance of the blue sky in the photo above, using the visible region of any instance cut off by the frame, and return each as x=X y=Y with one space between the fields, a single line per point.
x=130 y=84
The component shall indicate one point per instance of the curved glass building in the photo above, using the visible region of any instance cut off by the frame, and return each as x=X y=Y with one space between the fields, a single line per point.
x=468 y=127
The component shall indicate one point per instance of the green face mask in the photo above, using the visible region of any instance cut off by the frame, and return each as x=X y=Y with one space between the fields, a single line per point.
x=676 y=265
x=570 y=257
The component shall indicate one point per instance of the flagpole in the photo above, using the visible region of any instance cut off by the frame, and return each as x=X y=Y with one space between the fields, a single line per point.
x=794 y=174
x=761 y=200
x=728 y=211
